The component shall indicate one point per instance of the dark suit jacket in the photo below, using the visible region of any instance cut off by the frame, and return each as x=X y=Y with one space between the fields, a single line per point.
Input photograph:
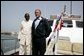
x=43 y=29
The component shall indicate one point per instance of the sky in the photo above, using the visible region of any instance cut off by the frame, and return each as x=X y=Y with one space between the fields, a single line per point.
x=12 y=12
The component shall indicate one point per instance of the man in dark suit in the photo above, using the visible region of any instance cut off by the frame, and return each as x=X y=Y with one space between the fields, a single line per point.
x=40 y=31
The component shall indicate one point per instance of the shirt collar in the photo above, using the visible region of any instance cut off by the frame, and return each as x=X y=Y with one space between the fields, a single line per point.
x=40 y=18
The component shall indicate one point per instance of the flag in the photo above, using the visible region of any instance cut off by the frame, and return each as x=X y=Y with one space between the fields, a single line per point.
x=59 y=24
x=53 y=37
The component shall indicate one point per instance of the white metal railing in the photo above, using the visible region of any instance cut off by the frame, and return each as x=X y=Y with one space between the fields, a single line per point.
x=52 y=44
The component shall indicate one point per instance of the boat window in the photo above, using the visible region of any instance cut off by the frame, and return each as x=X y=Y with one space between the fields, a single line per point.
x=67 y=23
x=79 y=24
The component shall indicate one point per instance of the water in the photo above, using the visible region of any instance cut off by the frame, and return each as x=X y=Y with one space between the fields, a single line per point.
x=9 y=42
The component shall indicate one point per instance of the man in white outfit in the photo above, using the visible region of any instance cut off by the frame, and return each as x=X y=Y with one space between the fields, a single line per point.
x=25 y=36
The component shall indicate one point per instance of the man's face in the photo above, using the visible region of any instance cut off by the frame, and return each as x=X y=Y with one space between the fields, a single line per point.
x=37 y=13
x=27 y=16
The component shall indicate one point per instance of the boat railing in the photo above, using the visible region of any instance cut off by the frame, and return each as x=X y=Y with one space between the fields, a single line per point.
x=6 y=48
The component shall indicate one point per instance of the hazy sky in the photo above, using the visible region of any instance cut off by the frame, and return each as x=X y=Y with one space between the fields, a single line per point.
x=12 y=12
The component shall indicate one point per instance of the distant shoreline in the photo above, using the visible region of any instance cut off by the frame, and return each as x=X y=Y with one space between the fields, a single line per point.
x=9 y=33
x=6 y=33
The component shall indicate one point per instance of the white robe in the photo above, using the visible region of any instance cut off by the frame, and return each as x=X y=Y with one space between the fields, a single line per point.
x=25 y=38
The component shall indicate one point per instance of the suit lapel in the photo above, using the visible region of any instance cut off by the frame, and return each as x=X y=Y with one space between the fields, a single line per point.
x=39 y=22
x=33 y=25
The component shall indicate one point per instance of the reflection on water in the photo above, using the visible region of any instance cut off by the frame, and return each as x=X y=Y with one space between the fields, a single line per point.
x=9 y=42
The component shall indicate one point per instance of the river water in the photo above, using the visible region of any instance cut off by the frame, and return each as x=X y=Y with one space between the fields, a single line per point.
x=9 y=42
